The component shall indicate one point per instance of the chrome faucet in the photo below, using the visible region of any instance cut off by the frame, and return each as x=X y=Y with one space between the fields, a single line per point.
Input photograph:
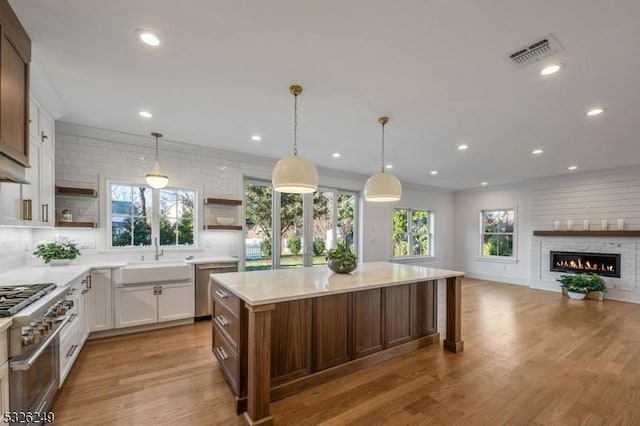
x=157 y=253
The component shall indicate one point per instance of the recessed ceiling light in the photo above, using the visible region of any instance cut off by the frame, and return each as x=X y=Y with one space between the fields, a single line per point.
x=256 y=138
x=336 y=155
x=462 y=147
x=537 y=151
x=148 y=38
x=484 y=183
x=434 y=172
x=595 y=111
x=551 y=69
x=389 y=166
x=573 y=168
x=145 y=114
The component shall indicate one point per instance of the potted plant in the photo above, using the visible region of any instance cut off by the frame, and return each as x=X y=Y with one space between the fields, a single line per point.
x=59 y=252
x=583 y=285
x=341 y=259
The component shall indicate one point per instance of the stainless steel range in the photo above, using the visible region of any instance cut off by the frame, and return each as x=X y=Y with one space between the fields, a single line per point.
x=39 y=313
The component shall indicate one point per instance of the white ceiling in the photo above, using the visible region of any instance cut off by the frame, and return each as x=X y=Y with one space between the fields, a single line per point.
x=437 y=68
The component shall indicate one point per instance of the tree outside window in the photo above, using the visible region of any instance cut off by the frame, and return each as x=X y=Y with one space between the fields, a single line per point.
x=412 y=234
x=498 y=232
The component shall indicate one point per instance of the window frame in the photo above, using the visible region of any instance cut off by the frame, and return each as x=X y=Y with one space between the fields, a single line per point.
x=155 y=216
x=410 y=233
x=497 y=258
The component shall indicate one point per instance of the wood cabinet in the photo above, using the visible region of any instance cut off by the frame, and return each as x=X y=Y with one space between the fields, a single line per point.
x=149 y=304
x=100 y=301
x=312 y=340
x=15 y=56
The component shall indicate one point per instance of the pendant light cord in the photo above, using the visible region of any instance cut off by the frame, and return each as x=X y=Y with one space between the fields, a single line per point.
x=295 y=124
x=156 y=148
x=382 y=151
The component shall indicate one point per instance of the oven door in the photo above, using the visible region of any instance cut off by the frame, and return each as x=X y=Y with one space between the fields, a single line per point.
x=34 y=379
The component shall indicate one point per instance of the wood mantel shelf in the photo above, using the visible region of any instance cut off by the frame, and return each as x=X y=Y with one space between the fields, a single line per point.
x=586 y=233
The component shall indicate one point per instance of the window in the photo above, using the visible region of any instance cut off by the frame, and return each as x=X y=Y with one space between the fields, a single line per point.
x=412 y=233
x=139 y=214
x=498 y=232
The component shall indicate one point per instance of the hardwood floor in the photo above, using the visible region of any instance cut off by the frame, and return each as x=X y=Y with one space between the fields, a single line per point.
x=530 y=357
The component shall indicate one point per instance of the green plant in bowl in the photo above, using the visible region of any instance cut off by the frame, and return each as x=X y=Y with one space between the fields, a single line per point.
x=62 y=248
x=342 y=260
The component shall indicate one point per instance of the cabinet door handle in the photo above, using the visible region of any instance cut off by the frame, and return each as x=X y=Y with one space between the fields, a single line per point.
x=222 y=354
x=26 y=209
x=45 y=212
x=221 y=294
x=72 y=351
x=160 y=290
x=44 y=136
x=222 y=320
x=155 y=291
x=89 y=281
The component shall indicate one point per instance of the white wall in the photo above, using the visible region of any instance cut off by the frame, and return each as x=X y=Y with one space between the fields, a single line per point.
x=87 y=157
x=16 y=246
x=468 y=205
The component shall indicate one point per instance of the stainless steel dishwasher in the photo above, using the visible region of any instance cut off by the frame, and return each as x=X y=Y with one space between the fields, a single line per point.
x=203 y=286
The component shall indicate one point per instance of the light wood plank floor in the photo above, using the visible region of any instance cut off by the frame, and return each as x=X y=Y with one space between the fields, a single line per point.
x=530 y=357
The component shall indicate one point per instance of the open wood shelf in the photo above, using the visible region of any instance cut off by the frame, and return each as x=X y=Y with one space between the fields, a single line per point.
x=223 y=227
x=586 y=233
x=76 y=225
x=75 y=192
x=223 y=201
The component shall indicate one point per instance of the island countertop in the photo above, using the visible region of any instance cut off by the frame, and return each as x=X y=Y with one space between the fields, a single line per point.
x=281 y=285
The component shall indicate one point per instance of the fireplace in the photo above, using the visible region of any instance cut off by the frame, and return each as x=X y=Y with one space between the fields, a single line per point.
x=605 y=264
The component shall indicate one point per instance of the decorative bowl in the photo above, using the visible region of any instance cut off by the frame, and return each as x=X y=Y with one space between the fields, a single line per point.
x=226 y=221
x=576 y=296
x=60 y=262
x=338 y=268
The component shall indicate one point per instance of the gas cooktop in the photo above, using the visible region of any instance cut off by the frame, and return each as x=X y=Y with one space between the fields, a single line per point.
x=15 y=298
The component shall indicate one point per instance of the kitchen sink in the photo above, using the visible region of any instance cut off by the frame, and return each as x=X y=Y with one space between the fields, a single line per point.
x=154 y=271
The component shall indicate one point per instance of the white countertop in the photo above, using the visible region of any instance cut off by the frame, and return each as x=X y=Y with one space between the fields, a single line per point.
x=219 y=259
x=281 y=285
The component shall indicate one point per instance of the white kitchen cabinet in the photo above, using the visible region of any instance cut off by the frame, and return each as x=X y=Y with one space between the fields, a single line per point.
x=83 y=309
x=33 y=204
x=100 y=304
x=136 y=305
x=149 y=304
x=176 y=301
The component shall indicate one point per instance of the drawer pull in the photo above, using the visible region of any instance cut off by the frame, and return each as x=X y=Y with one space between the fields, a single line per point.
x=222 y=354
x=72 y=351
x=221 y=294
x=222 y=320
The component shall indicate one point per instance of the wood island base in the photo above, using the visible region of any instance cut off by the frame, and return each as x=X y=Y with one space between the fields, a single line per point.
x=269 y=351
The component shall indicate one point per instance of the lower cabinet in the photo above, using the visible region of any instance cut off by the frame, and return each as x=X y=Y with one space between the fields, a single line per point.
x=148 y=304
x=99 y=301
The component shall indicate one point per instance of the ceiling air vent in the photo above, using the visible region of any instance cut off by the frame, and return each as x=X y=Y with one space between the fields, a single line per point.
x=536 y=51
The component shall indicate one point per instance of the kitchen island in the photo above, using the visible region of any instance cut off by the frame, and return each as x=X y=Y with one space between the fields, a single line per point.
x=278 y=332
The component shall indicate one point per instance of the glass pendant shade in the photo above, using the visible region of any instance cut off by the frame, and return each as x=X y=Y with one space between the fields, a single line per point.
x=156 y=178
x=294 y=174
x=383 y=187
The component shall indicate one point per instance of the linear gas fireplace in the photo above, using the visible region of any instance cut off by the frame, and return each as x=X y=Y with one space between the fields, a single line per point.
x=605 y=264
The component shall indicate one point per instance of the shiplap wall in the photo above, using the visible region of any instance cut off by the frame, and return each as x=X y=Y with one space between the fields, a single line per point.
x=611 y=194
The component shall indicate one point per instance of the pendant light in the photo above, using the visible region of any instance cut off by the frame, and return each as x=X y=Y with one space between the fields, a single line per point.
x=295 y=174
x=382 y=187
x=156 y=178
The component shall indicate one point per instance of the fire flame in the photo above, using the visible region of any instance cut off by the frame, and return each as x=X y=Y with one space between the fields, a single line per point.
x=586 y=266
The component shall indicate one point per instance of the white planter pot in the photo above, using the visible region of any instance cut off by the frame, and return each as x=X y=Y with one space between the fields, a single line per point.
x=60 y=262
x=577 y=296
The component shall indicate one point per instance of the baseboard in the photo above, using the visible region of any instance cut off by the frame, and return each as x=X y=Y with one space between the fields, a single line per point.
x=137 y=329
x=498 y=278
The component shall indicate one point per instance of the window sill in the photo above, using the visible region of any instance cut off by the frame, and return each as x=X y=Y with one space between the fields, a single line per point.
x=412 y=259
x=497 y=259
x=115 y=250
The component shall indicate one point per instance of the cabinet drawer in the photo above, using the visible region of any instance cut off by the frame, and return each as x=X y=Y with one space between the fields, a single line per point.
x=69 y=348
x=227 y=359
x=227 y=323
x=225 y=297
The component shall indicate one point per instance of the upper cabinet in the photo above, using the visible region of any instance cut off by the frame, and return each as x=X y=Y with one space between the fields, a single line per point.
x=15 y=55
